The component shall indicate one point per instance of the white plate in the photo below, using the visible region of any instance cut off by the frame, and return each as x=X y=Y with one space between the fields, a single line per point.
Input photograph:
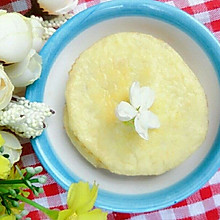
x=200 y=51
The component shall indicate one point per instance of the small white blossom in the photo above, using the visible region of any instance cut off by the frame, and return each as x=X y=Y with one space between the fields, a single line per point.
x=25 y=118
x=141 y=99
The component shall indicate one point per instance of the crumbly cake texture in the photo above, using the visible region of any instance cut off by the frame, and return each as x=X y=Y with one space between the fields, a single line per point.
x=100 y=79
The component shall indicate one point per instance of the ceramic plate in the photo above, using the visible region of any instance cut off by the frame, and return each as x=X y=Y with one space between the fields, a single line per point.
x=190 y=39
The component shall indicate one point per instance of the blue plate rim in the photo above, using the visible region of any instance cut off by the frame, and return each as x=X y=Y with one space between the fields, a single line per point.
x=35 y=92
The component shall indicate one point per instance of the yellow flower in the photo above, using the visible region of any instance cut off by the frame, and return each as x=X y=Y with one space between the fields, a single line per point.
x=8 y=217
x=80 y=201
x=2 y=141
x=2 y=210
x=4 y=163
x=5 y=167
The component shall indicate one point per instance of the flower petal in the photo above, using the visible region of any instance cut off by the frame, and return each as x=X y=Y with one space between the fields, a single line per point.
x=8 y=217
x=3 y=11
x=64 y=214
x=153 y=120
x=125 y=112
x=12 y=147
x=141 y=127
x=57 y=7
x=95 y=214
x=135 y=98
x=67 y=8
x=142 y=97
x=15 y=37
x=6 y=89
x=10 y=140
x=26 y=72
x=145 y=120
x=5 y=167
x=2 y=141
x=37 y=33
x=147 y=97
x=81 y=198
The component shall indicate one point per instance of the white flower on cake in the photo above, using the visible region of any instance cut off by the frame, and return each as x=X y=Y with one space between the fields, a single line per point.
x=141 y=99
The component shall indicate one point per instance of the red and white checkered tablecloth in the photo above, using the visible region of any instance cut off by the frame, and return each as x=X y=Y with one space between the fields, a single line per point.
x=202 y=205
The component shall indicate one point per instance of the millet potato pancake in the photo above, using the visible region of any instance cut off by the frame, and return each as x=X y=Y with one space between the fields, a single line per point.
x=101 y=78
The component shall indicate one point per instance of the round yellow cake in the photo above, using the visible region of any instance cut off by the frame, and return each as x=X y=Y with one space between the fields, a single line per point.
x=101 y=78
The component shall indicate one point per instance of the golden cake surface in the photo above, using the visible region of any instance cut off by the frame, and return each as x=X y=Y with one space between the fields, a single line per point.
x=101 y=78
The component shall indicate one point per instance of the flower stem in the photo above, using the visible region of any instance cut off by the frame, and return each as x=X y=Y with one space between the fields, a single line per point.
x=4 y=182
x=3 y=190
x=5 y=203
x=53 y=214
